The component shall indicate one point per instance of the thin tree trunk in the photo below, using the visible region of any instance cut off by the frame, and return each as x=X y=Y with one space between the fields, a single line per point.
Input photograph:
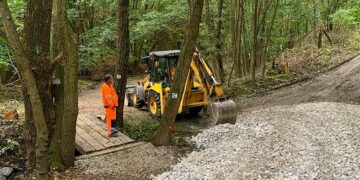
x=327 y=36
x=212 y=39
x=319 y=44
x=237 y=36
x=163 y=135
x=66 y=94
x=123 y=57
x=29 y=81
x=218 y=45
x=255 y=39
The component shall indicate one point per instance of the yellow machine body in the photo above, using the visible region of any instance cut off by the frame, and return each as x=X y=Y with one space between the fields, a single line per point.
x=200 y=87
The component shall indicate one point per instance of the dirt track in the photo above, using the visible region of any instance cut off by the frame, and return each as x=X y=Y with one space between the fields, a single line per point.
x=341 y=84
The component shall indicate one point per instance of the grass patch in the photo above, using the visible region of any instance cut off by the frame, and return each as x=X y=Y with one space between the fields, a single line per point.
x=141 y=131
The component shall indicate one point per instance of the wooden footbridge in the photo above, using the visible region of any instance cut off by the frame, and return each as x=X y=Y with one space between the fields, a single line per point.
x=91 y=137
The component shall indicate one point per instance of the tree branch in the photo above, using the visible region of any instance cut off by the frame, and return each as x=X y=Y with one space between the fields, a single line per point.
x=327 y=36
x=56 y=61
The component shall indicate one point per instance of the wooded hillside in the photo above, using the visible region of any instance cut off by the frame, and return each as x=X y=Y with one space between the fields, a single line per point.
x=245 y=33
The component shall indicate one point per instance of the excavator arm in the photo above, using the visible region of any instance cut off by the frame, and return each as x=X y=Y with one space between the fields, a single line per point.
x=206 y=76
x=222 y=110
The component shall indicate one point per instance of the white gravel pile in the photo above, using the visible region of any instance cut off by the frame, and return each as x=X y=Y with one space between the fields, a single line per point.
x=316 y=140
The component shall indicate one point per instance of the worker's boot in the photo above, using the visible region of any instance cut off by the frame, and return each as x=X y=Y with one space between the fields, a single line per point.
x=114 y=134
x=113 y=130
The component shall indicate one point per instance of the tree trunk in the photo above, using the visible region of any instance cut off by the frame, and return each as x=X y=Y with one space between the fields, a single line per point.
x=238 y=36
x=29 y=134
x=218 y=45
x=163 y=135
x=123 y=57
x=255 y=39
x=30 y=84
x=36 y=68
x=212 y=39
x=63 y=141
x=319 y=44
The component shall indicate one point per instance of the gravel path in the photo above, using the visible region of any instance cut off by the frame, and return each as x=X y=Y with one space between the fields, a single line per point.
x=315 y=140
x=135 y=163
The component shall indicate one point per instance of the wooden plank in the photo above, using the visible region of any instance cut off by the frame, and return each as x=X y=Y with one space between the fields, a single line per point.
x=110 y=150
x=122 y=138
x=98 y=138
x=88 y=138
x=101 y=128
x=97 y=121
x=91 y=136
x=82 y=146
x=97 y=131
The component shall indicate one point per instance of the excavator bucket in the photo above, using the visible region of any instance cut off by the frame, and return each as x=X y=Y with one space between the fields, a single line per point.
x=222 y=112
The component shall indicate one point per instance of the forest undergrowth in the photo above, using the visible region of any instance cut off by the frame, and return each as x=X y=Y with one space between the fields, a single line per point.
x=302 y=62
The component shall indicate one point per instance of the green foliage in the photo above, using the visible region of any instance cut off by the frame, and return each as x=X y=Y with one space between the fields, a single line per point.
x=161 y=27
x=98 y=43
x=348 y=18
x=4 y=56
x=142 y=131
x=17 y=8
x=9 y=145
x=161 y=24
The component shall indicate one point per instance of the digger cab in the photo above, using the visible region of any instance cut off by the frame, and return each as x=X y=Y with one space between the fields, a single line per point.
x=161 y=66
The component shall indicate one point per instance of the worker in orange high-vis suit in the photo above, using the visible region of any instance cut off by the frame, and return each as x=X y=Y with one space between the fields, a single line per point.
x=110 y=102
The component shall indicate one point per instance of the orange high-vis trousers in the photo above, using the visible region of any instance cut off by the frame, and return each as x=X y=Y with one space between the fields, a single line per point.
x=110 y=101
x=110 y=117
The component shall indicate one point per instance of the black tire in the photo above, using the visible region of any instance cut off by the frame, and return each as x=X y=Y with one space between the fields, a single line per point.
x=140 y=97
x=154 y=100
x=129 y=101
x=195 y=110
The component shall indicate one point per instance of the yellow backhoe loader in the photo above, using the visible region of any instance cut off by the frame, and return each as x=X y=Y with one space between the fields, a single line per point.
x=202 y=90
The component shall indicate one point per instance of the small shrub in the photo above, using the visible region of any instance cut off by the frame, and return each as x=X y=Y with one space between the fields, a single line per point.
x=141 y=131
x=9 y=145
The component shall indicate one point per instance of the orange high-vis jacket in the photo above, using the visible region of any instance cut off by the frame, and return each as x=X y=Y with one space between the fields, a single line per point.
x=109 y=96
